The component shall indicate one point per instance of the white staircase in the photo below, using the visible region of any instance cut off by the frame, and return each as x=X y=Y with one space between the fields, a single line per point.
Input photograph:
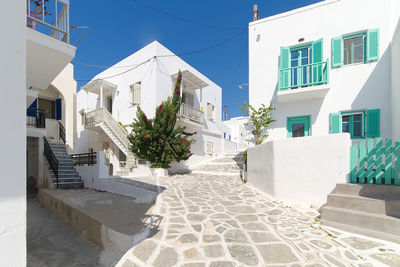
x=102 y=119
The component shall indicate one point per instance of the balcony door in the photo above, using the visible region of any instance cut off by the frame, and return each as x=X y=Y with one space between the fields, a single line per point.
x=109 y=104
x=188 y=98
x=299 y=61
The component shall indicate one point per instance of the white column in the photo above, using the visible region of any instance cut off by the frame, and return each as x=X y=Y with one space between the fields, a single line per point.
x=101 y=94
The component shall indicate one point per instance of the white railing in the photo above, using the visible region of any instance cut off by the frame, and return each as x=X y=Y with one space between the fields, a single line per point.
x=52 y=17
x=101 y=115
x=191 y=113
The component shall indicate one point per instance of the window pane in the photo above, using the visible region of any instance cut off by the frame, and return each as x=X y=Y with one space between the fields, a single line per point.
x=345 y=118
x=353 y=50
x=345 y=124
x=357 y=129
x=347 y=51
x=298 y=130
x=357 y=117
x=358 y=50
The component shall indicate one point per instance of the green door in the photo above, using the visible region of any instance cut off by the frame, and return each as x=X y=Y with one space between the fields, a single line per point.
x=298 y=126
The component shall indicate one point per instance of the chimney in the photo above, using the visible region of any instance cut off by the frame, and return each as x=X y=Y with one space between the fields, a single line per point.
x=255 y=13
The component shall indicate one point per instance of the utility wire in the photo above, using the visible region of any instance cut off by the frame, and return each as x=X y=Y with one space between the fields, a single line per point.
x=172 y=55
x=186 y=20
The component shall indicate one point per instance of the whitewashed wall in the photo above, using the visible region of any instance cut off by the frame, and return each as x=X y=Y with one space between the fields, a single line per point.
x=13 y=137
x=302 y=171
x=363 y=86
x=396 y=84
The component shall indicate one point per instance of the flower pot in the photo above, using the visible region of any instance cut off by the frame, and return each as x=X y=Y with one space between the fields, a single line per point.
x=159 y=172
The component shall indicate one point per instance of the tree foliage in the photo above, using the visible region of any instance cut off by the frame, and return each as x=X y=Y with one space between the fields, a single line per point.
x=160 y=141
x=259 y=120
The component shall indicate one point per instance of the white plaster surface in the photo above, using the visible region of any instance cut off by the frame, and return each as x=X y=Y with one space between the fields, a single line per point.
x=300 y=170
x=13 y=134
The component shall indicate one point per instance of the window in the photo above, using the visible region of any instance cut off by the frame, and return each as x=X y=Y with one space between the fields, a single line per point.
x=359 y=124
x=354 y=49
x=210 y=148
x=210 y=112
x=299 y=59
x=109 y=103
x=136 y=89
x=353 y=124
x=224 y=135
x=49 y=106
x=298 y=126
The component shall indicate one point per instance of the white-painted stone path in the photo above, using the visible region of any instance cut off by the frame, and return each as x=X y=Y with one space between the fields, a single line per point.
x=209 y=218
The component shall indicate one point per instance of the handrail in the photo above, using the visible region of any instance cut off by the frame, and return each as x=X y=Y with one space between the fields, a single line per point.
x=102 y=115
x=191 y=113
x=39 y=120
x=61 y=132
x=59 y=25
x=51 y=158
x=305 y=75
x=88 y=159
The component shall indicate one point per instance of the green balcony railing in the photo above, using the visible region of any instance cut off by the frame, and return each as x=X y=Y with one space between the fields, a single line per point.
x=304 y=76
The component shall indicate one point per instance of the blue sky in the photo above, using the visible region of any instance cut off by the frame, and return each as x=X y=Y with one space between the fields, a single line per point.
x=119 y=28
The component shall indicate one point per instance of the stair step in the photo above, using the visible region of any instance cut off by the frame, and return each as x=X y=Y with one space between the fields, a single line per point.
x=369 y=190
x=362 y=220
x=365 y=204
x=69 y=185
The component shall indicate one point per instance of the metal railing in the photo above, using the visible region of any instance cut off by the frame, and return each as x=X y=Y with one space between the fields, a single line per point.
x=39 y=120
x=85 y=159
x=188 y=112
x=304 y=76
x=50 y=17
x=51 y=158
x=101 y=115
x=61 y=132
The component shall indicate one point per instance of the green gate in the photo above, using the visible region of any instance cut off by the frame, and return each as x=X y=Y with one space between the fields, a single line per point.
x=375 y=161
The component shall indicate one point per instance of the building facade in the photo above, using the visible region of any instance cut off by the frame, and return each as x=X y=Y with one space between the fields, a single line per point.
x=238 y=131
x=107 y=106
x=327 y=69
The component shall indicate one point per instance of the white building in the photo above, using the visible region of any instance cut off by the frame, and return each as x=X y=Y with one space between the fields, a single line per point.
x=328 y=68
x=34 y=64
x=145 y=79
x=238 y=132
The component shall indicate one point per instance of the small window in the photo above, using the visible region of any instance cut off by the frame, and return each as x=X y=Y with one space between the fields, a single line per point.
x=224 y=135
x=136 y=89
x=298 y=126
x=354 y=49
x=353 y=124
x=49 y=106
x=210 y=111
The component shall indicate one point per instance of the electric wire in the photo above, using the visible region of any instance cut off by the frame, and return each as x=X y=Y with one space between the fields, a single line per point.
x=186 y=20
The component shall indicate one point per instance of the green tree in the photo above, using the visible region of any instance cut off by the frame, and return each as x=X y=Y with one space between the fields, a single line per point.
x=259 y=120
x=160 y=141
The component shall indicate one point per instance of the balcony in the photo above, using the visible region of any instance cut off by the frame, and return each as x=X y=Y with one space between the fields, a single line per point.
x=36 y=118
x=304 y=82
x=47 y=41
x=191 y=115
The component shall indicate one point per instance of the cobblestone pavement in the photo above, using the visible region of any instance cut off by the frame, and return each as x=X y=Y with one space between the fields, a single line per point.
x=209 y=218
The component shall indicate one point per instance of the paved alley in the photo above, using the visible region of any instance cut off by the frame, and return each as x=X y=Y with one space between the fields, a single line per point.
x=209 y=218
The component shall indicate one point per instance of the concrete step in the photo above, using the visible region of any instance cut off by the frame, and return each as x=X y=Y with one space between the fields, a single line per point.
x=365 y=204
x=67 y=179
x=369 y=190
x=69 y=185
x=359 y=221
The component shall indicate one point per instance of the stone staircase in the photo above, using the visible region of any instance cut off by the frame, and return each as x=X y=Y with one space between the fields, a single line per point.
x=372 y=210
x=229 y=164
x=68 y=177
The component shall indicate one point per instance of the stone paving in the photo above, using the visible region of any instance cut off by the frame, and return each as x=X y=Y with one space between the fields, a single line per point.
x=211 y=219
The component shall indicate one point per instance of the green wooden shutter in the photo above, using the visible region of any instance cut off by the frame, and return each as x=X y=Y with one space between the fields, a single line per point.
x=316 y=57
x=337 y=52
x=373 y=122
x=334 y=123
x=284 y=72
x=373 y=45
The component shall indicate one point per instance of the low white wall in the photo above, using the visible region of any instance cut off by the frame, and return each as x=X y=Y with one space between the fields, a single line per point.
x=300 y=170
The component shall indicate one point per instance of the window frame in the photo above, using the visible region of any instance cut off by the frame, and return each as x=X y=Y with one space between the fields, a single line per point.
x=363 y=34
x=353 y=113
x=292 y=120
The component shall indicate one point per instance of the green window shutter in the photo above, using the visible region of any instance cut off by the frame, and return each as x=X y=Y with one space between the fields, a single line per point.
x=284 y=75
x=373 y=122
x=317 y=51
x=334 y=123
x=316 y=57
x=373 y=45
x=337 y=52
